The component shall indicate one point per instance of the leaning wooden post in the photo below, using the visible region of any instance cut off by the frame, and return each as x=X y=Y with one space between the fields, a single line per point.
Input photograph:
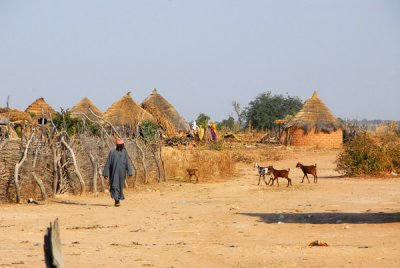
x=52 y=247
x=17 y=167
x=78 y=173
x=94 y=162
x=38 y=181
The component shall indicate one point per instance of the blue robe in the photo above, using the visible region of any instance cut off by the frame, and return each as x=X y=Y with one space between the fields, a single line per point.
x=117 y=166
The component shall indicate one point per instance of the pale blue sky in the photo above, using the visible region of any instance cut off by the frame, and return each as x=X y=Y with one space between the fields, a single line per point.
x=202 y=55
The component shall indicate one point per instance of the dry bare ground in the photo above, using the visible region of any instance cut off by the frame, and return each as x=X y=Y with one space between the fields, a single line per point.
x=231 y=223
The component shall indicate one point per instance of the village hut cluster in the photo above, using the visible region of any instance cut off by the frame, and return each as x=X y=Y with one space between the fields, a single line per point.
x=40 y=157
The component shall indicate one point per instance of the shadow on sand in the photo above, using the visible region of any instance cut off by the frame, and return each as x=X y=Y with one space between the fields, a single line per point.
x=80 y=204
x=327 y=218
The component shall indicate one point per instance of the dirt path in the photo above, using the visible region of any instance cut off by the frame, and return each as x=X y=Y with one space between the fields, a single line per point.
x=227 y=224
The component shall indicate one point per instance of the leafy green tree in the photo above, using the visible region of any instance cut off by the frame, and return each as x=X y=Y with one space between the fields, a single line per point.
x=227 y=124
x=64 y=121
x=266 y=108
x=202 y=120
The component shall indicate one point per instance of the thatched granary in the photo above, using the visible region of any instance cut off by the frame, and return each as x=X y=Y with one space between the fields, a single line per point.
x=161 y=119
x=314 y=125
x=15 y=115
x=41 y=109
x=86 y=108
x=126 y=112
x=168 y=110
x=4 y=120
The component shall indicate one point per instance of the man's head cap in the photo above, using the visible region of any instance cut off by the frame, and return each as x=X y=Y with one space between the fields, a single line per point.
x=119 y=141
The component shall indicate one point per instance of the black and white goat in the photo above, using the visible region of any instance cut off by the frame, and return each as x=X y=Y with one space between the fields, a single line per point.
x=262 y=171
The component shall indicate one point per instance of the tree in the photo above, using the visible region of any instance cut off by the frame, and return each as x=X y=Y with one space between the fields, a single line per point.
x=266 y=108
x=202 y=120
x=239 y=113
x=227 y=124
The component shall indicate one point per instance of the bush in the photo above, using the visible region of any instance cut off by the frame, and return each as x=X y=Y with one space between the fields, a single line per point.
x=66 y=122
x=148 y=130
x=364 y=156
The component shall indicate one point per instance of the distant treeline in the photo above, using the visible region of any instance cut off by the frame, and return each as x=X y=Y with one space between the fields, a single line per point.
x=368 y=124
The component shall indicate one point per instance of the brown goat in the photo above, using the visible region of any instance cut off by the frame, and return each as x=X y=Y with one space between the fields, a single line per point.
x=279 y=174
x=192 y=172
x=308 y=170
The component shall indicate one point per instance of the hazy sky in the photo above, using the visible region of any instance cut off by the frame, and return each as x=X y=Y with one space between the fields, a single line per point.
x=202 y=55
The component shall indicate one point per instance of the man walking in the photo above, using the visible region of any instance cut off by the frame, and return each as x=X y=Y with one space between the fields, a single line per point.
x=116 y=168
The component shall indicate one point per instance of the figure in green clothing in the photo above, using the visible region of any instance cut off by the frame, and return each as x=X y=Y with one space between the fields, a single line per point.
x=116 y=168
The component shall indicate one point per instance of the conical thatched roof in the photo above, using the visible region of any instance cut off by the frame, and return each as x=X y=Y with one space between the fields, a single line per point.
x=315 y=114
x=161 y=119
x=170 y=112
x=40 y=107
x=4 y=120
x=126 y=112
x=15 y=115
x=86 y=107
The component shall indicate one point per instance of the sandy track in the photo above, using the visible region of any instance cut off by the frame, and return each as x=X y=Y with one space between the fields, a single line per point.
x=226 y=224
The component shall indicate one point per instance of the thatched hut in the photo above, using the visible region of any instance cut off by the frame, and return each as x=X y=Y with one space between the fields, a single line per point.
x=168 y=110
x=40 y=109
x=161 y=119
x=4 y=120
x=15 y=115
x=86 y=108
x=314 y=125
x=126 y=112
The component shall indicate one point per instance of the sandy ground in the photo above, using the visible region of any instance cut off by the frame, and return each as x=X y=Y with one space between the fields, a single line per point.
x=233 y=223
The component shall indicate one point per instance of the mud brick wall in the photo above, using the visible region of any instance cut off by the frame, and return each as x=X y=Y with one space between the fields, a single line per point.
x=317 y=139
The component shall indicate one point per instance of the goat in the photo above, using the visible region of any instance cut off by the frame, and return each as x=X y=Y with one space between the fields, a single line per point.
x=261 y=172
x=308 y=170
x=279 y=174
x=192 y=172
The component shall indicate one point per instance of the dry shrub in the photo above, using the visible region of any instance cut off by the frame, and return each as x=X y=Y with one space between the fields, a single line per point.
x=365 y=155
x=209 y=163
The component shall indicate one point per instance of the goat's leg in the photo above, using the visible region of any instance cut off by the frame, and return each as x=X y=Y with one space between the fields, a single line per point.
x=307 y=178
x=264 y=180
x=315 y=178
x=289 y=181
x=277 y=181
x=197 y=178
x=303 y=178
x=259 y=179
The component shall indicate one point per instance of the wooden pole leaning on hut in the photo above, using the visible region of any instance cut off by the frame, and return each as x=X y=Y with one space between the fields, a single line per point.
x=95 y=163
x=77 y=172
x=52 y=247
x=18 y=166
x=38 y=181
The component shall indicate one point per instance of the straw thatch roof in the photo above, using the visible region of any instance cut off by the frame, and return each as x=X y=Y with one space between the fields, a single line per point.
x=161 y=119
x=40 y=108
x=125 y=111
x=170 y=112
x=4 y=120
x=15 y=115
x=315 y=114
x=85 y=107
